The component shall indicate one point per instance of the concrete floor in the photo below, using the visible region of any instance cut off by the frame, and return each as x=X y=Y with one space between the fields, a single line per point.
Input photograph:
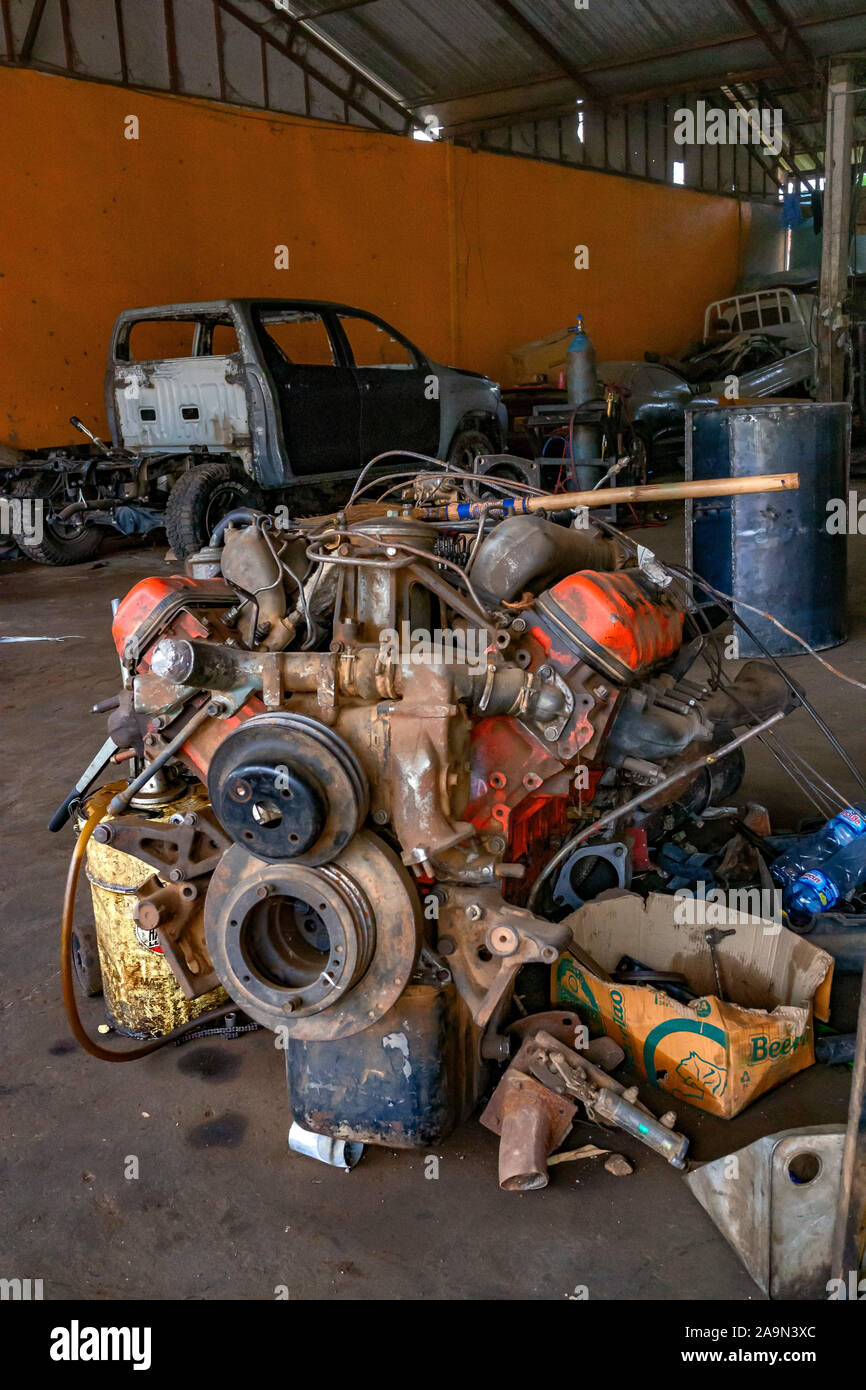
x=221 y=1209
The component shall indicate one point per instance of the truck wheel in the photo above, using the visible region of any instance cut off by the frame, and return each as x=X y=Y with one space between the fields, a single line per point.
x=465 y=447
x=63 y=542
x=202 y=497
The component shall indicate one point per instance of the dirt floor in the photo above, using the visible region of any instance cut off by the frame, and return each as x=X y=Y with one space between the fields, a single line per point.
x=220 y=1208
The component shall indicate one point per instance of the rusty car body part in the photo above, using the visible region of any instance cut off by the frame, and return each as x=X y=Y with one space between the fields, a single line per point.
x=604 y=1099
x=567 y=1028
x=531 y=1122
x=492 y=940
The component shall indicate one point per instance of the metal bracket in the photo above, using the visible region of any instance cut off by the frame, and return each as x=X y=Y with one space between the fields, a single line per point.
x=178 y=851
x=775 y=1202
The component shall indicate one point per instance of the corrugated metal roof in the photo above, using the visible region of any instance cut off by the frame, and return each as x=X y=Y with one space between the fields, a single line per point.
x=425 y=49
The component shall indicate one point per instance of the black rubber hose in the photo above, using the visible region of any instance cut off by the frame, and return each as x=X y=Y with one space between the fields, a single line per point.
x=241 y=516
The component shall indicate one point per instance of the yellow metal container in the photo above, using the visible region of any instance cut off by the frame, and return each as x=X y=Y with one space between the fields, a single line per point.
x=142 y=997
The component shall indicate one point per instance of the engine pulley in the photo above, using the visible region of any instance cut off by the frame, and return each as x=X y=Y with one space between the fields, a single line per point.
x=286 y=787
x=323 y=951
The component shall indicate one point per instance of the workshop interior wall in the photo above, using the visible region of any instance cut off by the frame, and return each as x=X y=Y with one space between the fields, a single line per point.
x=469 y=254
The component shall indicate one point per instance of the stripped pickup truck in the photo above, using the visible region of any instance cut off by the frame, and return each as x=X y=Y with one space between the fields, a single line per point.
x=245 y=402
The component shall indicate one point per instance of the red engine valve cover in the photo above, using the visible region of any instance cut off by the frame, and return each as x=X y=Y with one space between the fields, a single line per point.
x=611 y=621
x=155 y=604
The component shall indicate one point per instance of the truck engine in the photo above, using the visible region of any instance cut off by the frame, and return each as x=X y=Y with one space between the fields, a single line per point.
x=359 y=751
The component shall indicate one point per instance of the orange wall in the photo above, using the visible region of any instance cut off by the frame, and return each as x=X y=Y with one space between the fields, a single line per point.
x=469 y=254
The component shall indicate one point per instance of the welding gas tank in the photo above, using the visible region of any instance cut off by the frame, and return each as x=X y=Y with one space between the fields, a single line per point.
x=614 y=622
x=142 y=997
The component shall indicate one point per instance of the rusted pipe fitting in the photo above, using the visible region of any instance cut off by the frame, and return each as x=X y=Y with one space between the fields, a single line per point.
x=531 y=1121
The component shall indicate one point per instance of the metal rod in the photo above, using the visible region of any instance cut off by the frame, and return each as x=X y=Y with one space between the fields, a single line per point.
x=603 y=497
x=849 y=1237
x=119 y=803
x=619 y=811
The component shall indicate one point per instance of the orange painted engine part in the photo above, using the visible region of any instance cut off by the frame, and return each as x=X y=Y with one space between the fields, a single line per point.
x=147 y=600
x=533 y=826
x=161 y=606
x=610 y=620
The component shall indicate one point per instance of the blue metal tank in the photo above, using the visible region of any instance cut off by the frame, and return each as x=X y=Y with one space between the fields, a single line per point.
x=774 y=551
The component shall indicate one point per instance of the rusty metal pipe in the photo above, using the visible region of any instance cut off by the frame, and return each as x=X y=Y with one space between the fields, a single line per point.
x=604 y=497
x=532 y=1127
x=120 y=802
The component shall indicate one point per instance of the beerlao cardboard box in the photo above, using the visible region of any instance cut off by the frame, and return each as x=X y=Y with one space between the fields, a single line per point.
x=716 y=1055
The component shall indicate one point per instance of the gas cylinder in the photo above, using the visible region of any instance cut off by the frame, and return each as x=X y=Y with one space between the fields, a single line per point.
x=583 y=386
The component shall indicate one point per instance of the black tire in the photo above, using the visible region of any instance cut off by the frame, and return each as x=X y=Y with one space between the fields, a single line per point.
x=85 y=961
x=202 y=497
x=61 y=543
x=465 y=448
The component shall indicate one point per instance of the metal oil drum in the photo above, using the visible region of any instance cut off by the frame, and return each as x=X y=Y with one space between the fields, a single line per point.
x=142 y=997
x=773 y=551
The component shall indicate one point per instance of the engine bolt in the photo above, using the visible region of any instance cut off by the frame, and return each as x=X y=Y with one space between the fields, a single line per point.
x=176 y=875
x=496 y=844
x=102 y=834
x=551 y=733
x=474 y=911
x=263 y=890
x=446 y=945
x=518 y=625
x=545 y=673
x=290 y=1006
x=380 y=817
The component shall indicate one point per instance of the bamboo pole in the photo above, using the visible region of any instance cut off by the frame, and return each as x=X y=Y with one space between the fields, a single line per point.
x=604 y=497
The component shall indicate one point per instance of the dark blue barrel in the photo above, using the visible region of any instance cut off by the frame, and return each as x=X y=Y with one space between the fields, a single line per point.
x=774 y=550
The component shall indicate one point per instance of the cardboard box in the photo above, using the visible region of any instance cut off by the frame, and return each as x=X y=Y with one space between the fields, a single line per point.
x=715 y=1055
x=546 y=357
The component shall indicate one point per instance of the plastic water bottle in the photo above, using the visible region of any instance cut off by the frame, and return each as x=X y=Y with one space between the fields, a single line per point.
x=819 y=890
x=809 y=851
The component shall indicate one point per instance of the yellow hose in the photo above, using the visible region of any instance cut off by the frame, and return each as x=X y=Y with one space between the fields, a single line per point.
x=95 y=812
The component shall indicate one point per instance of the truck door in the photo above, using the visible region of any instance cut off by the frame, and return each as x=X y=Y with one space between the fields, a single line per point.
x=317 y=394
x=398 y=391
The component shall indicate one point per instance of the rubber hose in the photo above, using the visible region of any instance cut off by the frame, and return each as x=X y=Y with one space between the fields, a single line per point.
x=96 y=810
